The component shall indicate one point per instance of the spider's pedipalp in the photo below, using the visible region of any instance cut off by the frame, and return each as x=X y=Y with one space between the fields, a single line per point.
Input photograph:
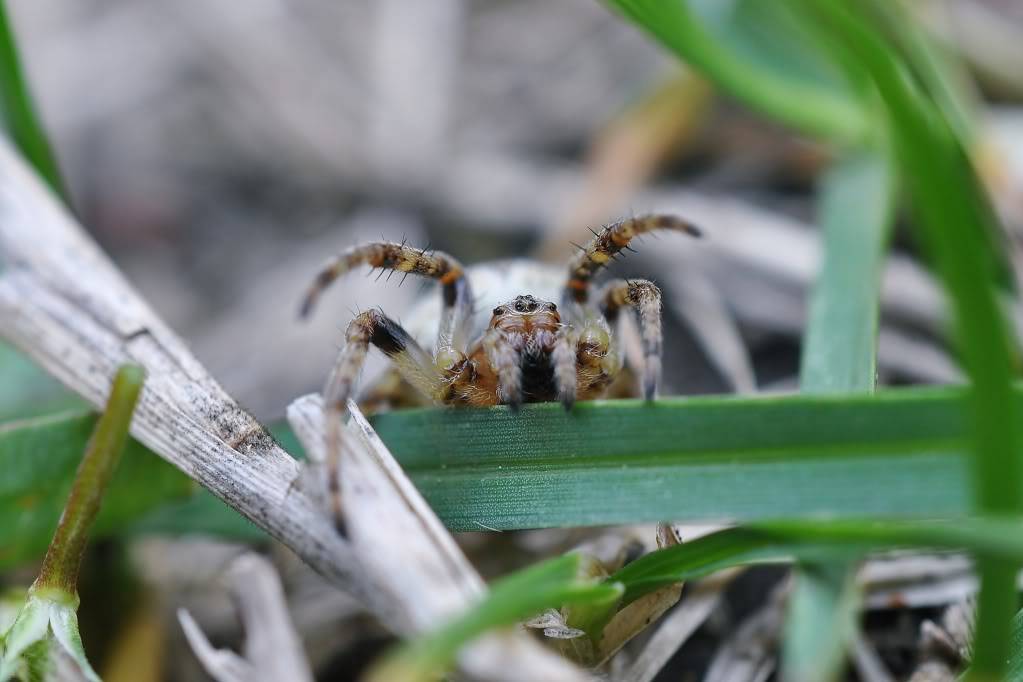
x=415 y=365
x=645 y=297
x=506 y=361
x=608 y=243
x=597 y=357
x=457 y=297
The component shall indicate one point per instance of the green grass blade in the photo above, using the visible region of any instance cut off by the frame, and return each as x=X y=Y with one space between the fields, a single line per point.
x=549 y=584
x=813 y=541
x=613 y=462
x=822 y=620
x=933 y=67
x=840 y=344
x=959 y=227
x=27 y=391
x=808 y=102
x=39 y=456
x=700 y=458
x=840 y=355
x=1014 y=672
x=19 y=115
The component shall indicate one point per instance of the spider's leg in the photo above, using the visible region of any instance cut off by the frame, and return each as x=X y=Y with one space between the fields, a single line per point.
x=645 y=297
x=610 y=241
x=457 y=297
x=564 y=360
x=415 y=365
x=506 y=361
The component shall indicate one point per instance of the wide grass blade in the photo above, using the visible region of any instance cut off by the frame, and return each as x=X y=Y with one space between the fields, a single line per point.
x=39 y=457
x=18 y=113
x=27 y=391
x=701 y=458
x=627 y=461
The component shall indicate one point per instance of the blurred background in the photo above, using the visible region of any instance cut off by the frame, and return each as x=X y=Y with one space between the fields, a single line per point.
x=221 y=152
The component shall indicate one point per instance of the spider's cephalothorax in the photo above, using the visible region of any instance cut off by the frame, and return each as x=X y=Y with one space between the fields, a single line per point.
x=531 y=350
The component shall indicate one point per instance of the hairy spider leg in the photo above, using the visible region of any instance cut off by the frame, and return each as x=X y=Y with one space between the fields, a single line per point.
x=564 y=359
x=415 y=365
x=455 y=291
x=645 y=298
x=608 y=243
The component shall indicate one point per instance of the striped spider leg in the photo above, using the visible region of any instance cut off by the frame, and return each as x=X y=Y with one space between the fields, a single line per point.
x=429 y=375
x=641 y=295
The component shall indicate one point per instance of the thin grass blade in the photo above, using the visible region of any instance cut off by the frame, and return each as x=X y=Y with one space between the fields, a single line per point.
x=959 y=228
x=548 y=584
x=840 y=355
x=795 y=92
x=18 y=112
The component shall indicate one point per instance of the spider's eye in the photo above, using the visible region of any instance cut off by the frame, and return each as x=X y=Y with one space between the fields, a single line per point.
x=520 y=307
x=554 y=307
x=498 y=311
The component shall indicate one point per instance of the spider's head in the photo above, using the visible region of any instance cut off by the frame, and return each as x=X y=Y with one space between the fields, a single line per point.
x=525 y=314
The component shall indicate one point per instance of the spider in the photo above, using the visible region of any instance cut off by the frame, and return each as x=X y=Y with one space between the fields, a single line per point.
x=531 y=350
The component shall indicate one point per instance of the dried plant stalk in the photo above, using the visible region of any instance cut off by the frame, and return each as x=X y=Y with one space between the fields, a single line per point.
x=66 y=305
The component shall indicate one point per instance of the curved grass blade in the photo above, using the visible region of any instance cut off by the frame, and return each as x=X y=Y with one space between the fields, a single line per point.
x=512 y=599
x=18 y=113
x=813 y=541
x=795 y=92
x=959 y=227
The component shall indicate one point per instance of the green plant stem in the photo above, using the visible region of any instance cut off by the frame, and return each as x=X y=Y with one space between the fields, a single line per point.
x=18 y=113
x=64 y=556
